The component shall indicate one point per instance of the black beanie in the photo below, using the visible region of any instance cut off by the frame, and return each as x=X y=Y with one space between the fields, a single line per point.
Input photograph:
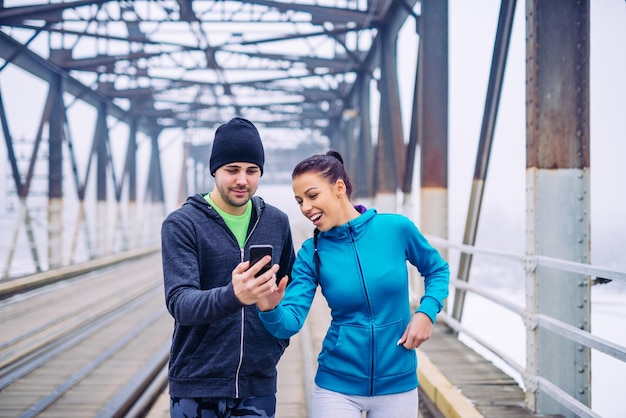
x=237 y=141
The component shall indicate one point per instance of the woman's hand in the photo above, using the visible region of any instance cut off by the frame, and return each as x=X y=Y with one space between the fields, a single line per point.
x=271 y=300
x=418 y=331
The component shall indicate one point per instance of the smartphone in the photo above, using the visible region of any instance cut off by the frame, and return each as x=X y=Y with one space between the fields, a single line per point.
x=257 y=252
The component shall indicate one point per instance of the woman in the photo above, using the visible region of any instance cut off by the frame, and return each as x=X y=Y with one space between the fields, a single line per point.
x=358 y=258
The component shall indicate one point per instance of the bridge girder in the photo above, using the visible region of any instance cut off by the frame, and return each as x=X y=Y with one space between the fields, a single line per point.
x=226 y=54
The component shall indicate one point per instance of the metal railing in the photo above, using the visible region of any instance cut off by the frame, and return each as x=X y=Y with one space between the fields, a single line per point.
x=533 y=321
x=78 y=240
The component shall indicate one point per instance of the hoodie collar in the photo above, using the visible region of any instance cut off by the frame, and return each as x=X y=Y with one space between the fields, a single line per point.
x=198 y=201
x=353 y=229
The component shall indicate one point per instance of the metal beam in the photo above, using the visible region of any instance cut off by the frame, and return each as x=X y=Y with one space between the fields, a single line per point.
x=43 y=11
x=321 y=14
x=15 y=53
x=557 y=194
x=432 y=119
x=55 y=175
x=391 y=148
x=492 y=101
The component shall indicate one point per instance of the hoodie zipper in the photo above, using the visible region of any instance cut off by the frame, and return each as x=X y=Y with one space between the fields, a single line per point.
x=243 y=314
x=369 y=309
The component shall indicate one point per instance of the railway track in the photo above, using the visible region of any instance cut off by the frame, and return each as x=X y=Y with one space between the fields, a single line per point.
x=91 y=346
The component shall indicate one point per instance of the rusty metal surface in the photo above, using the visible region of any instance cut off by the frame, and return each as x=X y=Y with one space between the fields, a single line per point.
x=434 y=93
x=557 y=91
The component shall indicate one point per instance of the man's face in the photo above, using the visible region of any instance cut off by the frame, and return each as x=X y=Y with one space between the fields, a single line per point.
x=235 y=183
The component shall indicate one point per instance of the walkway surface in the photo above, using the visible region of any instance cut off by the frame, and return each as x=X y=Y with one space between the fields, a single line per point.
x=454 y=380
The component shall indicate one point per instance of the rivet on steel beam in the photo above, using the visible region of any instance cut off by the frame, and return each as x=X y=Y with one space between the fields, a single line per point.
x=530 y=321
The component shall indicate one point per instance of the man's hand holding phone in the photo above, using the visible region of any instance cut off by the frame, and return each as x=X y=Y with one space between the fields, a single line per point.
x=268 y=301
x=253 y=279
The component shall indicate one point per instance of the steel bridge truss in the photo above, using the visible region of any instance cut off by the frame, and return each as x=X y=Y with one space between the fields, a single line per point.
x=305 y=70
x=143 y=68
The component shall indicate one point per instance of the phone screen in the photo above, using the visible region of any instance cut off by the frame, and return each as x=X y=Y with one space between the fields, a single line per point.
x=257 y=252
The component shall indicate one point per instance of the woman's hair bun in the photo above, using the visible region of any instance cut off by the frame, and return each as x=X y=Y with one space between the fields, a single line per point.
x=335 y=154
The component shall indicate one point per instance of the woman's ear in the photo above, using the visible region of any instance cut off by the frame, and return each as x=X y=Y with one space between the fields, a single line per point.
x=340 y=187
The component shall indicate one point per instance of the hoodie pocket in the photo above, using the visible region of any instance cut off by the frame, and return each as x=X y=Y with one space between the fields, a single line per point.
x=347 y=350
x=392 y=359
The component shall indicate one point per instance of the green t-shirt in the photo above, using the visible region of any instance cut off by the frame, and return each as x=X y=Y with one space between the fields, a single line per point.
x=238 y=224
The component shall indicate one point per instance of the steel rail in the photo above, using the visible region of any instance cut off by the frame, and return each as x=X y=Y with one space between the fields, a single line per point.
x=90 y=329
x=76 y=378
x=35 y=359
x=48 y=333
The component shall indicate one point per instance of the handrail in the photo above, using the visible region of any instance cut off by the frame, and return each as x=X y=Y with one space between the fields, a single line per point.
x=460 y=284
x=580 y=336
x=536 y=260
x=577 y=407
x=532 y=320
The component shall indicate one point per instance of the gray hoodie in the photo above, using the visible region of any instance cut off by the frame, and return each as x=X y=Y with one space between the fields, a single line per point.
x=219 y=346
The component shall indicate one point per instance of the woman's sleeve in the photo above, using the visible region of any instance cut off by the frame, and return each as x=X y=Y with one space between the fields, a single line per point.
x=288 y=317
x=431 y=266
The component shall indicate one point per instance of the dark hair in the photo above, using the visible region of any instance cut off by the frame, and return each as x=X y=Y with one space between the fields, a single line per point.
x=329 y=165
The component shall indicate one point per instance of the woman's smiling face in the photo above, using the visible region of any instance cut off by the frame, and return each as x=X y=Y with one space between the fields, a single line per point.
x=319 y=200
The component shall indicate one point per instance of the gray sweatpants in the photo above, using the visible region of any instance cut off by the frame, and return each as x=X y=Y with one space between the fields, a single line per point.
x=328 y=404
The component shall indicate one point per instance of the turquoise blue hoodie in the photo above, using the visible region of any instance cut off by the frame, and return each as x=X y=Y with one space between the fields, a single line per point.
x=364 y=278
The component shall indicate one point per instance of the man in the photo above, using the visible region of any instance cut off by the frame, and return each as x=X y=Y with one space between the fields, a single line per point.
x=222 y=360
